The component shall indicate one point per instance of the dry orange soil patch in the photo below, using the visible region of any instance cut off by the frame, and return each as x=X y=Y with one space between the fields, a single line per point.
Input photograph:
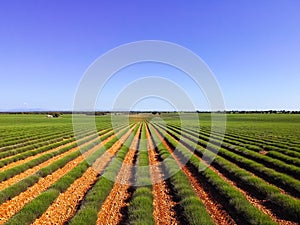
x=110 y=212
x=254 y=201
x=11 y=207
x=65 y=206
x=19 y=177
x=215 y=209
x=49 y=150
x=163 y=204
x=22 y=161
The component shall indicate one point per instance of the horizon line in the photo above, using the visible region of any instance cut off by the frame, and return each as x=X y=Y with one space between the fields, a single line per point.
x=40 y=110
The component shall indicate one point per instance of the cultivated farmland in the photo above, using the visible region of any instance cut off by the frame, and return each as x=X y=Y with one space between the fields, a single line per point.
x=49 y=177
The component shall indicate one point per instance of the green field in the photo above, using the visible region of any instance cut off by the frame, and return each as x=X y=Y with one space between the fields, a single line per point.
x=253 y=179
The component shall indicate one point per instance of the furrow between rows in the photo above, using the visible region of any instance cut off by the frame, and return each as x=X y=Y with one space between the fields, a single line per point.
x=33 y=170
x=267 y=197
x=254 y=201
x=110 y=212
x=11 y=207
x=65 y=206
x=163 y=203
x=215 y=209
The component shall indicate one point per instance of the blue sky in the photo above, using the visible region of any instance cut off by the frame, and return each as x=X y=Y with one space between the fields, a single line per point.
x=253 y=48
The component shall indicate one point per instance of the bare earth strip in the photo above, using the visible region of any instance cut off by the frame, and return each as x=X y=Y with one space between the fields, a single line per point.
x=110 y=212
x=253 y=174
x=65 y=206
x=215 y=209
x=11 y=207
x=254 y=201
x=163 y=204
x=49 y=150
x=33 y=170
x=22 y=161
x=23 y=143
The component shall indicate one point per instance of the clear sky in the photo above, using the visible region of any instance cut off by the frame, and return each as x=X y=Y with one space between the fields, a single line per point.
x=252 y=46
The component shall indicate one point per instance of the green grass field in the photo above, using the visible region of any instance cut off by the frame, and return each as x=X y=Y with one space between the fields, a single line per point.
x=254 y=178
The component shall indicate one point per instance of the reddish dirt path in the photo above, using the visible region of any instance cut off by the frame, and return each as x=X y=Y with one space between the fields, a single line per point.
x=65 y=206
x=254 y=201
x=22 y=161
x=11 y=207
x=253 y=174
x=18 y=177
x=215 y=209
x=30 y=139
x=110 y=212
x=163 y=204
x=49 y=150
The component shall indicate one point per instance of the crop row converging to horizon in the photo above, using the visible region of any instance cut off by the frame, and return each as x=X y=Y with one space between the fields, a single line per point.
x=149 y=171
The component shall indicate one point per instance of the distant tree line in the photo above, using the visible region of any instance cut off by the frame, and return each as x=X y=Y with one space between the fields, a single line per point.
x=265 y=112
x=101 y=113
